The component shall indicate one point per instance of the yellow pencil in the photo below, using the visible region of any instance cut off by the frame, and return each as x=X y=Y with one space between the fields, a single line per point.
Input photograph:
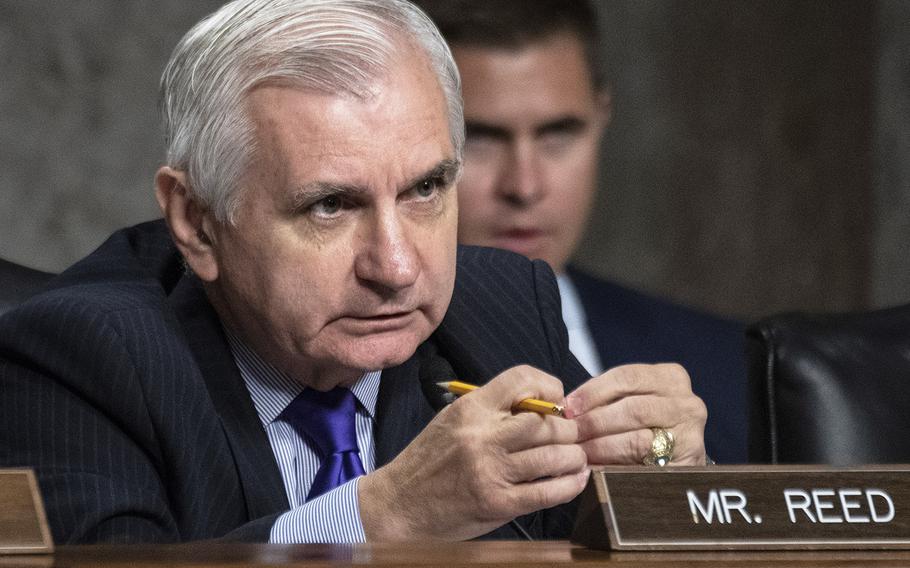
x=528 y=404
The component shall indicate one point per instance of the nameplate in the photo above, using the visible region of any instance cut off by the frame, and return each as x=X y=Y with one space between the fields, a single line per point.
x=746 y=507
x=23 y=525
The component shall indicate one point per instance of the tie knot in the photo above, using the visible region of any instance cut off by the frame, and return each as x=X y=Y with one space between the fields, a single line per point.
x=325 y=418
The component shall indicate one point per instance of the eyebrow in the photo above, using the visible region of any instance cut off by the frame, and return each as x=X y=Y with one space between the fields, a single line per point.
x=486 y=130
x=318 y=190
x=314 y=191
x=446 y=170
x=563 y=124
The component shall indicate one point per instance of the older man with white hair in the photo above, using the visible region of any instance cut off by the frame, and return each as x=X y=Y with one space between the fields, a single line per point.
x=250 y=368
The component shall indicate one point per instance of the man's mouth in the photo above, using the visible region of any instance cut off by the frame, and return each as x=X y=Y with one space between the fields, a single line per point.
x=385 y=316
x=366 y=323
x=523 y=241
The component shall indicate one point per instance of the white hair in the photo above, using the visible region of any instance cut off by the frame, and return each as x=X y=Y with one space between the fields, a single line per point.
x=330 y=46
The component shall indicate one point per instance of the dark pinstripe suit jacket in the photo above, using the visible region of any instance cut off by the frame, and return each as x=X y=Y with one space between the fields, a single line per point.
x=117 y=386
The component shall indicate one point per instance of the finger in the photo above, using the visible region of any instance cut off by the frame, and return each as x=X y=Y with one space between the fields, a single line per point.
x=547 y=492
x=627 y=380
x=513 y=385
x=634 y=413
x=526 y=430
x=689 y=447
x=632 y=447
x=545 y=461
x=625 y=448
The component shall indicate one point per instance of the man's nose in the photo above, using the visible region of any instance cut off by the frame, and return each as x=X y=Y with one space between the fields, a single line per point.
x=388 y=258
x=521 y=184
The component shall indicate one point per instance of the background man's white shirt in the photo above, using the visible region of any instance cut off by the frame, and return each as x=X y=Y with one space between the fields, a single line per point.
x=581 y=344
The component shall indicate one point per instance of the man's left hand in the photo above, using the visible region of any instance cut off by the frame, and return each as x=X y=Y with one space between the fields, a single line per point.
x=615 y=412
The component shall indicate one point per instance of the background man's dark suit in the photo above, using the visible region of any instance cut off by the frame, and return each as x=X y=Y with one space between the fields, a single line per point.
x=119 y=388
x=630 y=327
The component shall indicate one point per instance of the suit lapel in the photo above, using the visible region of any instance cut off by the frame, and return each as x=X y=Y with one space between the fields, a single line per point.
x=259 y=475
x=402 y=411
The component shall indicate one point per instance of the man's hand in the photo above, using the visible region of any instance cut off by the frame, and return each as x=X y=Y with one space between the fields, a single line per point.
x=477 y=465
x=615 y=412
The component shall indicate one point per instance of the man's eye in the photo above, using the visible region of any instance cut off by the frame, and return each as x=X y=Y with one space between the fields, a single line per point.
x=483 y=143
x=478 y=138
x=556 y=141
x=328 y=206
x=428 y=187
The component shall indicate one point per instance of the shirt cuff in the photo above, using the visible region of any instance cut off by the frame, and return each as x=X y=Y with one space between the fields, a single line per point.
x=331 y=517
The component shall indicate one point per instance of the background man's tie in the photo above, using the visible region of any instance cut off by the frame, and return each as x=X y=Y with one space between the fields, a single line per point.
x=326 y=420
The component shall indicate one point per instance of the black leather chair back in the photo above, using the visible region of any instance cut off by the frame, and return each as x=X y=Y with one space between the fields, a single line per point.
x=831 y=389
x=18 y=283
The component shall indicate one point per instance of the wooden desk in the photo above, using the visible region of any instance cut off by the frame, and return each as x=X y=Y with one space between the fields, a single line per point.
x=488 y=554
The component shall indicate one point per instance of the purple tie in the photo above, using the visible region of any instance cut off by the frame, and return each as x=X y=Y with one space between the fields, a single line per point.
x=326 y=420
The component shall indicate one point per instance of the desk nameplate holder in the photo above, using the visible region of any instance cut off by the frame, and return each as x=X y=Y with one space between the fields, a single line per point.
x=23 y=524
x=746 y=507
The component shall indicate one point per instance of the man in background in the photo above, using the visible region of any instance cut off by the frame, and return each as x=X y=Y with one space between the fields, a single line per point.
x=536 y=104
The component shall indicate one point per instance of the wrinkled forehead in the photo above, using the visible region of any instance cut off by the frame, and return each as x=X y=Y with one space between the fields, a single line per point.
x=398 y=132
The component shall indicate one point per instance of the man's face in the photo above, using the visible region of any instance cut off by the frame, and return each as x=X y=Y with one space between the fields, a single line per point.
x=534 y=122
x=343 y=254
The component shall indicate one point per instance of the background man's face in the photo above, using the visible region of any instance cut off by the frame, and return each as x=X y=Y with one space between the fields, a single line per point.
x=343 y=254
x=534 y=123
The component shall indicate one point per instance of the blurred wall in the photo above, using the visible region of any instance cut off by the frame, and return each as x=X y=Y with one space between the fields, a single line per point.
x=738 y=168
x=758 y=161
x=79 y=136
x=890 y=276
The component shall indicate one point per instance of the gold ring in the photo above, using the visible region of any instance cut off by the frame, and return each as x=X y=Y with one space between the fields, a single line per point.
x=661 y=451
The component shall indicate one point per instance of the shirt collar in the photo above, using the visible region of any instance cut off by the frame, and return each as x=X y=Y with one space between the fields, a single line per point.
x=573 y=314
x=272 y=390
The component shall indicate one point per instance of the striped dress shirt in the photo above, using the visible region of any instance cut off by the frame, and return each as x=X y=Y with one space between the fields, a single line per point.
x=335 y=515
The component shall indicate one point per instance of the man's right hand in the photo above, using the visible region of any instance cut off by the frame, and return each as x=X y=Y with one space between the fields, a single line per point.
x=477 y=466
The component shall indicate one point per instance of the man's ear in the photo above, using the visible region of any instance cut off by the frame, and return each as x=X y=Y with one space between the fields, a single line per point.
x=604 y=101
x=190 y=223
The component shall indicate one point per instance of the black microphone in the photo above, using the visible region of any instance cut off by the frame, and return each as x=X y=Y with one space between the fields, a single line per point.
x=435 y=369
